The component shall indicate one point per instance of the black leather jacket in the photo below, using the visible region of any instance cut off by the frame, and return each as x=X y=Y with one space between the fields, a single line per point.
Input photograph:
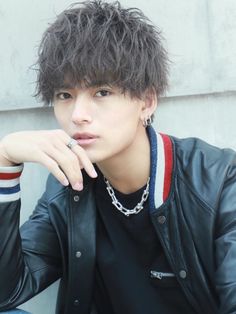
x=195 y=222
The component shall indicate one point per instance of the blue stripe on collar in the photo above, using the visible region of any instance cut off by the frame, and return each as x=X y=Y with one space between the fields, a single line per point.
x=161 y=168
x=153 y=167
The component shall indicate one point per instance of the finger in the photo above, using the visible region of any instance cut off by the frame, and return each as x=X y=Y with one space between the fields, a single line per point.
x=71 y=160
x=66 y=160
x=53 y=168
x=84 y=161
x=69 y=164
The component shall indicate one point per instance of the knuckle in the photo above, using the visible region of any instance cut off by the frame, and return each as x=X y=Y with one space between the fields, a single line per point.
x=66 y=160
x=44 y=145
x=55 y=134
x=60 y=133
x=71 y=159
x=74 y=159
x=52 y=165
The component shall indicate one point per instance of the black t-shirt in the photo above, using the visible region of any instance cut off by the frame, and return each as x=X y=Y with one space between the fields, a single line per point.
x=128 y=249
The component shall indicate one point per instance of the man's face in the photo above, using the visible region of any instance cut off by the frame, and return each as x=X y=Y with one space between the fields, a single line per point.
x=104 y=121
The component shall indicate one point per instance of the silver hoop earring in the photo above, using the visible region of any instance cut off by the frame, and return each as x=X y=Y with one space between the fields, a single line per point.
x=147 y=121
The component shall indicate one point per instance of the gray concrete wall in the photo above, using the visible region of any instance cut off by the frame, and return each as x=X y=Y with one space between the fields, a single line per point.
x=201 y=38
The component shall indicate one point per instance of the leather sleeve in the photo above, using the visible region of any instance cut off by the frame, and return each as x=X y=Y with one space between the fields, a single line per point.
x=30 y=259
x=225 y=245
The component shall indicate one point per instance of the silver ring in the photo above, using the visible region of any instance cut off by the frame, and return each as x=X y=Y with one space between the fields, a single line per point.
x=71 y=143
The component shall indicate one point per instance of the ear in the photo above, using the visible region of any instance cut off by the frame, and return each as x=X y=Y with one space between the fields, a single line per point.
x=149 y=104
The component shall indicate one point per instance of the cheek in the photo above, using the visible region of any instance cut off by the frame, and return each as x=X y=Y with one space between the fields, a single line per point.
x=126 y=116
x=122 y=129
x=61 y=116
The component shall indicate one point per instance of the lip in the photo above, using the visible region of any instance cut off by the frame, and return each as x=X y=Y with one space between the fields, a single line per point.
x=85 y=139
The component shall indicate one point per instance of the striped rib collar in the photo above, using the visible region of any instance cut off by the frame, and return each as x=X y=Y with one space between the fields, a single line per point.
x=161 y=168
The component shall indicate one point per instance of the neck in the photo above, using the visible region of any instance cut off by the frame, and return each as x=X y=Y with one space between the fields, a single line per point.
x=129 y=170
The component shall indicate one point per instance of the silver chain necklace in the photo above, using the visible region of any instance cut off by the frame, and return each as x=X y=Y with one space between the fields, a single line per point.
x=120 y=207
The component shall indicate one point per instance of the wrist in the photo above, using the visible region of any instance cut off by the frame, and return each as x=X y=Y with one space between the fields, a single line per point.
x=4 y=162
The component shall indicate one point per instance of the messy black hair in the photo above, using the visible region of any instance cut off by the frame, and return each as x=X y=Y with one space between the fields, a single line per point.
x=96 y=43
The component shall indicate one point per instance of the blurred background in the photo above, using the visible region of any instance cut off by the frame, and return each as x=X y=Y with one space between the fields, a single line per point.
x=201 y=102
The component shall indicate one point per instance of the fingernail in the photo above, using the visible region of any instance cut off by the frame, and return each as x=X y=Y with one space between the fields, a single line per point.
x=78 y=186
x=94 y=173
x=65 y=182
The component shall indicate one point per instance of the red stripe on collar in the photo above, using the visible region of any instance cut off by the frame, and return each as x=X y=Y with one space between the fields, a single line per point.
x=168 y=151
x=164 y=169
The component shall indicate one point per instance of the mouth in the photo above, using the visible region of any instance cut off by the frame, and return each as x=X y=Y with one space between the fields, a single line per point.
x=85 y=139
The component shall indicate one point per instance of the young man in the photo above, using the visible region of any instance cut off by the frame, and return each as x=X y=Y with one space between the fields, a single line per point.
x=131 y=221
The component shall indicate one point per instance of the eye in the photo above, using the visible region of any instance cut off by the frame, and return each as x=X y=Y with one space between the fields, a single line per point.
x=63 y=96
x=102 y=93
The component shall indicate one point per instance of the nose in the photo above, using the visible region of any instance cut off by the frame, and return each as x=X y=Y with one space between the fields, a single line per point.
x=82 y=110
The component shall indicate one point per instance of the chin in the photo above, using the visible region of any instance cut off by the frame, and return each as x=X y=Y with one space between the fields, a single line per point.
x=96 y=158
x=99 y=158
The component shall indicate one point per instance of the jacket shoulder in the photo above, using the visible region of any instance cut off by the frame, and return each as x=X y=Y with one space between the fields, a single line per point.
x=191 y=149
x=203 y=167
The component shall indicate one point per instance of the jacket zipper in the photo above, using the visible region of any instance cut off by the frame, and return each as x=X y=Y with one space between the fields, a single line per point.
x=160 y=275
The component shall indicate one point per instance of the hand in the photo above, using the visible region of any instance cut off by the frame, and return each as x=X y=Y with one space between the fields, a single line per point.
x=49 y=149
